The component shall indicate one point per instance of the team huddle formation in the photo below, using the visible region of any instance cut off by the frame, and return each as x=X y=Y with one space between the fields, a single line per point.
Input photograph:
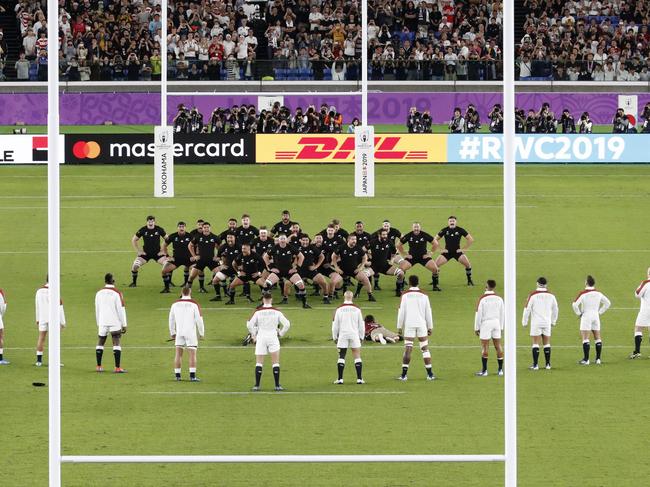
x=285 y=257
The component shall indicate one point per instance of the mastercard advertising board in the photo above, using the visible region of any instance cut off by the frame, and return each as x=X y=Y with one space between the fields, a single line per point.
x=339 y=148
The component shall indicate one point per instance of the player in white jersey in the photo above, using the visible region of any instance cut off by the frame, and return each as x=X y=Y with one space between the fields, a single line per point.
x=642 y=293
x=110 y=314
x=263 y=328
x=589 y=305
x=3 y=308
x=348 y=331
x=542 y=311
x=42 y=302
x=184 y=321
x=489 y=321
x=414 y=320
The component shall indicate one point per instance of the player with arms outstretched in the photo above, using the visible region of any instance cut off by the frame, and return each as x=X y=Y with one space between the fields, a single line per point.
x=453 y=235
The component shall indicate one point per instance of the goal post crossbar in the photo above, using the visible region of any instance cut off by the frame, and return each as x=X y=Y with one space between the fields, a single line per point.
x=281 y=458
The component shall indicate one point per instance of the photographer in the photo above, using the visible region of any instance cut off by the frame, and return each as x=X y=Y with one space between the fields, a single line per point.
x=427 y=122
x=333 y=121
x=546 y=122
x=472 y=120
x=531 y=122
x=496 y=119
x=567 y=122
x=520 y=122
x=196 y=121
x=621 y=124
x=412 y=120
x=181 y=121
x=585 y=124
x=457 y=123
x=645 y=128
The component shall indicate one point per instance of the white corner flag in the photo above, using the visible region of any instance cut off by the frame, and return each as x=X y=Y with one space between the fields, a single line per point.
x=163 y=161
x=364 y=162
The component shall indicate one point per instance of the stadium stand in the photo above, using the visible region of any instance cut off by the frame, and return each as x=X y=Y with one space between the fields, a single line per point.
x=281 y=39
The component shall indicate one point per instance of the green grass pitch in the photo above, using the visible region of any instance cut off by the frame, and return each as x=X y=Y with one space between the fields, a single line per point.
x=577 y=426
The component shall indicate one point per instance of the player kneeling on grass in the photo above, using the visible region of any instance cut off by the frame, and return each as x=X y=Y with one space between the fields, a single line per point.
x=264 y=332
x=43 y=320
x=542 y=311
x=414 y=320
x=589 y=305
x=348 y=331
x=643 y=318
x=378 y=333
x=110 y=314
x=3 y=308
x=184 y=321
x=489 y=322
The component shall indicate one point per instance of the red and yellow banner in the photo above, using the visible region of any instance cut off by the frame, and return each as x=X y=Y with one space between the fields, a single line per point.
x=339 y=148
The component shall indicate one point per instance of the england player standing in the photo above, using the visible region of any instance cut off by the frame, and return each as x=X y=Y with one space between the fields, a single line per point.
x=382 y=254
x=350 y=261
x=42 y=302
x=348 y=330
x=414 y=320
x=180 y=241
x=263 y=329
x=417 y=241
x=453 y=250
x=283 y=262
x=642 y=323
x=542 y=311
x=151 y=235
x=203 y=254
x=589 y=305
x=110 y=314
x=185 y=320
x=3 y=309
x=489 y=322
x=393 y=234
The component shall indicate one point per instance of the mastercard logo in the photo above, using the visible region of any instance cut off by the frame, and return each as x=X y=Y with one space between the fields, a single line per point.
x=86 y=150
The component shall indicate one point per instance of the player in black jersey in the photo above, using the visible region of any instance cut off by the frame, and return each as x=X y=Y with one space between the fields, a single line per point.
x=338 y=231
x=331 y=243
x=393 y=235
x=283 y=226
x=382 y=254
x=312 y=259
x=198 y=229
x=227 y=253
x=417 y=241
x=295 y=235
x=248 y=267
x=202 y=250
x=350 y=260
x=263 y=242
x=282 y=261
x=180 y=241
x=363 y=237
x=231 y=230
x=246 y=232
x=151 y=234
x=453 y=234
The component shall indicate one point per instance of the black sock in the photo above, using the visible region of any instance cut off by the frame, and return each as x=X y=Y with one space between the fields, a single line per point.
x=276 y=374
x=192 y=373
x=340 y=366
x=39 y=358
x=435 y=279
x=637 y=343
x=258 y=375
x=405 y=370
x=117 y=354
x=134 y=276
x=484 y=362
x=1 y=355
x=186 y=276
x=177 y=373
x=99 y=353
x=585 y=350
x=247 y=289
x=302 y=295
x=376 y=281
x=359 y=288
x=224 y=286
x=231 y=294
x=535 y=355
x=500 y=362
x=167 y=279
x=547 y=354
x=201 y=282
x=358 y=365
x=599 y=349
x=217 y=289
x=468 y=273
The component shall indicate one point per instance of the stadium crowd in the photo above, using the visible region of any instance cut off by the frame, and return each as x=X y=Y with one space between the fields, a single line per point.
x=285 y=39
x=586 y=40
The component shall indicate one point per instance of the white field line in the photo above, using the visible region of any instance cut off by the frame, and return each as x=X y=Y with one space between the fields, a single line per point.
x=579 y=251
x=281 y=307
x=438 y=206
x=76 y=207
x=282 y=393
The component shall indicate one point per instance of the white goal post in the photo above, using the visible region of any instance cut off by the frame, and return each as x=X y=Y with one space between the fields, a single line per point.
x=509 y=172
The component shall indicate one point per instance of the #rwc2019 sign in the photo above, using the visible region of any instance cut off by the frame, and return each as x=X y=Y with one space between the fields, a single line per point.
x=140 y=149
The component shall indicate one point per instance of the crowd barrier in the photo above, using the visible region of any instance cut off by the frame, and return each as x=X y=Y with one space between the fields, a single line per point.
x=329 y=149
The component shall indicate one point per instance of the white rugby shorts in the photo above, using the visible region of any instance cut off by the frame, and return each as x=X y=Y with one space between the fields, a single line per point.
x=490 y=330
x=187 y=341
x=108 y=330
x=536 y=330
x=348 y=342
x=415 y=331
x=643 y=319
x=266 y=344
x=590 y=323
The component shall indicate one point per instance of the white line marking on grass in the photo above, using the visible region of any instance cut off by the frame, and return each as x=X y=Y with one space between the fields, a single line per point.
x=579 y=251
x=281 y=393
x=280 y=307
x=437 y=206
x=11 y=208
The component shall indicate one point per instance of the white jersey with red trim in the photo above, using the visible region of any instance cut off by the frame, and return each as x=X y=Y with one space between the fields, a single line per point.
x=42 y=302
x=3 y=307
x=541 y=309
x=185 y=318
x=348 y=322
x=590 y=303
x=414 y=310
x=110 y=310
x=266 y=320
x=489 y=310
x=643 y=294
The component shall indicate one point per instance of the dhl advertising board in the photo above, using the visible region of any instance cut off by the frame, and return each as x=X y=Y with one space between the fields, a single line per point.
x=339 y=148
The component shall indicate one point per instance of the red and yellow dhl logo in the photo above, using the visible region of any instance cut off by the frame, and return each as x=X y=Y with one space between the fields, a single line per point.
x=312 y=147
x=339 y=148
